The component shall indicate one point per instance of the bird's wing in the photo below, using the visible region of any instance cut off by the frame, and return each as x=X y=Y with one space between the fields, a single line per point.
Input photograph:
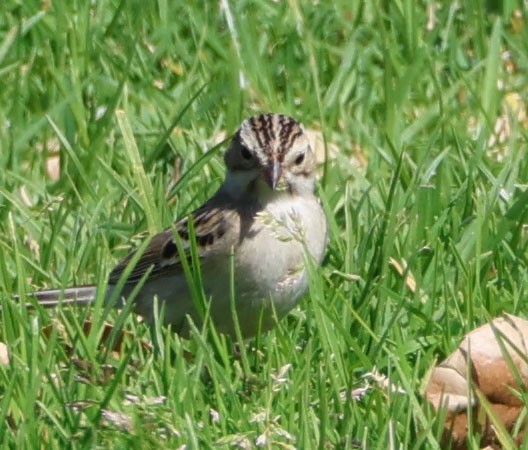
x=213 y=228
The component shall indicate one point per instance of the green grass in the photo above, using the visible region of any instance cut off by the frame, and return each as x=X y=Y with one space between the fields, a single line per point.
x=417 y=104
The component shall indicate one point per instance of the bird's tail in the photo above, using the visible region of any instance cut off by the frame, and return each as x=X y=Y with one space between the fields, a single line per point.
x=78 y=295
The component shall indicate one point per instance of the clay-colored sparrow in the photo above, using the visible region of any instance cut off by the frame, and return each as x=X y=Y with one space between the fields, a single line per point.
x=259 y=227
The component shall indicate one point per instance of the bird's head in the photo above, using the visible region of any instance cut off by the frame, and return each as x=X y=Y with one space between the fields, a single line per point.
x=271 y=152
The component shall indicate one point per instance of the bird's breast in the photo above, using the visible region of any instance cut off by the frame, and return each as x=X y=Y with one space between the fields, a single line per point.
x=270 y=259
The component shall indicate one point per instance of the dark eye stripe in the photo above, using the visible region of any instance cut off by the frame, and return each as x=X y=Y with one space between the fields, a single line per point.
x=246 y=154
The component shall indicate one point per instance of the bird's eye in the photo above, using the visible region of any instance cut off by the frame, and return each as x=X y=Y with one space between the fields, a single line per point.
x=299 y=159
x=246 y=154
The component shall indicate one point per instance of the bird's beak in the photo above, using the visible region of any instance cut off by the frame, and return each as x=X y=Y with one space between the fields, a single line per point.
x=272 y=174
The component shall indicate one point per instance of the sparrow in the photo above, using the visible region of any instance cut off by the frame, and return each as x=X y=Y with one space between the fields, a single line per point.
x=253 y=238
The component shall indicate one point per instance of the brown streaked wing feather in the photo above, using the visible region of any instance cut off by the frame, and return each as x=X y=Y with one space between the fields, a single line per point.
x=161 y=255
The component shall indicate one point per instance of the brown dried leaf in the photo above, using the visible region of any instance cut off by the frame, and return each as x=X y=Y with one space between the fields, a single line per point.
x=493 y=360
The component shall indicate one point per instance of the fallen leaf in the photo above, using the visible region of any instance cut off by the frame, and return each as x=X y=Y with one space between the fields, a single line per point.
x=491 y=360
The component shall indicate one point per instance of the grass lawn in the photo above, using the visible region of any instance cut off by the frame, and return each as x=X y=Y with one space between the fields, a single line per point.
x=422 y=117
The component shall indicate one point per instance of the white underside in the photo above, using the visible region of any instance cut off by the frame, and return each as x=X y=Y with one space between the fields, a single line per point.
x=268 y=272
